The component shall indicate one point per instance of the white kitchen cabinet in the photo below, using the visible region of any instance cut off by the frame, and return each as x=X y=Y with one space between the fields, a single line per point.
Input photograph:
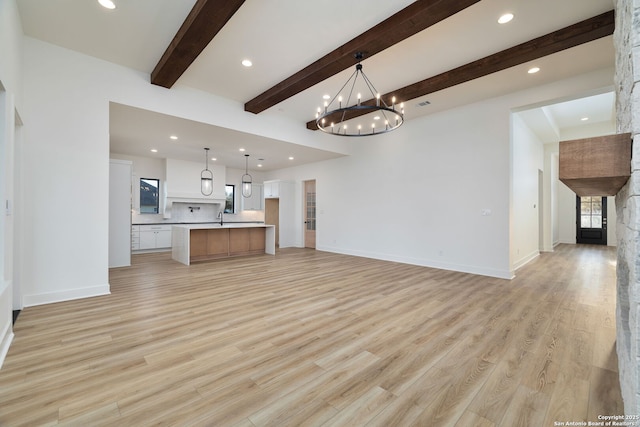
x=135 y=237
x=271 y=189
x=155 y=237
x=255 y=202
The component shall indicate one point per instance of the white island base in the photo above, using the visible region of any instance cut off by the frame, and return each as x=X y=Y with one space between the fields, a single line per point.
x=203 y=242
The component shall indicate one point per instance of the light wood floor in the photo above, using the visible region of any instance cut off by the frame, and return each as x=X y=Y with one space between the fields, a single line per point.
x=313 y=338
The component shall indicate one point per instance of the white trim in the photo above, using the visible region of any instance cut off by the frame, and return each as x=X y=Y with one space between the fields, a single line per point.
x=5 y=341
x=482 y=271
x=67 y=295
x=526 y=260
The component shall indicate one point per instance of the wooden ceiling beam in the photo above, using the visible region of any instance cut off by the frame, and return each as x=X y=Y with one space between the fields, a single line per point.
x=568 y=37
x=206 y=19
x=409 y=21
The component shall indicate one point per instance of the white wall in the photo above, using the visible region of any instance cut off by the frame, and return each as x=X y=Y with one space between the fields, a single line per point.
x=69 y=149
x=415 y=195
x=10 y=104
x=527 y=160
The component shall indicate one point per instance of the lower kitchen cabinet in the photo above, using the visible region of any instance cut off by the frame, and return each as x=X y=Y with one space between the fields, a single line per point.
x=135 y=237
x=154 y=237
x=218 y=243
x=246 y=241
x=208 y=244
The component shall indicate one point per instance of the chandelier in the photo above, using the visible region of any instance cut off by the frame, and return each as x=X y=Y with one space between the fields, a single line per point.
x=336 y=113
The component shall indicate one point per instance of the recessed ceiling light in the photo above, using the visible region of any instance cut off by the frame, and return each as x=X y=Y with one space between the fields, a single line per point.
x=153 y=150
x=173 y=137
x=259 y=165
x=533 y=70
x=247 y=63
x=290 y=157
x=242 y=149
x=507 y=17
x=584 y=119
x=214 y=159
x=326 y=96
x=107 y=4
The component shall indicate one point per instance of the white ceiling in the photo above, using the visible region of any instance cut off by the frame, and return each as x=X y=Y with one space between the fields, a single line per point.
x=283 y=36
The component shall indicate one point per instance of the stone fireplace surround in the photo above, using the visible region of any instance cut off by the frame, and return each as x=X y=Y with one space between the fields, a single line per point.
x=627 y=75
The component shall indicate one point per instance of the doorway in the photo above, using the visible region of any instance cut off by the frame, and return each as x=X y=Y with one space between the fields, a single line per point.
x=310 y=214
x=591 y=220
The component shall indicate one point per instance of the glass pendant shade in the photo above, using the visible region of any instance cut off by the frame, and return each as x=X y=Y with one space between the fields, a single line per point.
x=246 y=186
x=246 y=179
x=206 y=182
x=206 y=176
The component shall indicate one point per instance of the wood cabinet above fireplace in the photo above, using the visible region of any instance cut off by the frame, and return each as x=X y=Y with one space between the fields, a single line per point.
x=597 y=166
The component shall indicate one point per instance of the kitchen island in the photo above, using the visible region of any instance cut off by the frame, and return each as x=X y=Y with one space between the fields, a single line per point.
x=203 y=242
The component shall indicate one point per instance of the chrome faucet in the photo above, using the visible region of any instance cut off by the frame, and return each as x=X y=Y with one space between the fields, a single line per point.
x=221 y=216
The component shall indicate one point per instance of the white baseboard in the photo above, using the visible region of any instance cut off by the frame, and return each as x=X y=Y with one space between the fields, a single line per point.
x=526 y=260
x=472 y=269
x=5 y=342
x=66 y=295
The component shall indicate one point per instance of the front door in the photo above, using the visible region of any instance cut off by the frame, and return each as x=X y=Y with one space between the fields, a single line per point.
x=310 y=214
x=591 y=220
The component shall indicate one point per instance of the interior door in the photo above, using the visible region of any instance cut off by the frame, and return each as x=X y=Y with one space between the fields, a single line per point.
x=310 y=214
x=591 y=220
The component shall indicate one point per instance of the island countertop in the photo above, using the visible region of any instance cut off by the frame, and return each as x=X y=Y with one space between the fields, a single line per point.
x=208 y=225
x=207 y=241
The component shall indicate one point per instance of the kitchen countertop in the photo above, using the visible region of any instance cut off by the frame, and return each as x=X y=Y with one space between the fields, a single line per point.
x=198 y=226
x=203 y=223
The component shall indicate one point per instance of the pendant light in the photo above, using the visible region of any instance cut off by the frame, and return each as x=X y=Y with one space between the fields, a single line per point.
x=206 y=176
x=246 y=179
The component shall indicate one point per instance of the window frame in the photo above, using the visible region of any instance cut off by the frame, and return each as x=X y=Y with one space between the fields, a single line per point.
x=231 y=200
x=156 y=208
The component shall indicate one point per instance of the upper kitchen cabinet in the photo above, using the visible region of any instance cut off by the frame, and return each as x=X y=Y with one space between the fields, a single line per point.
x=253 y=203
x=271 y=189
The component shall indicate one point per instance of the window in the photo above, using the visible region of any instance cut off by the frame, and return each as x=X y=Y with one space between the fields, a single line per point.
x=591 y=212
x=149 y=196
x=230 y=196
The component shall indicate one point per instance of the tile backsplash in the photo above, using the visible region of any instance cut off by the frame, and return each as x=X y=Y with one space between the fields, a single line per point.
x=197 y=212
